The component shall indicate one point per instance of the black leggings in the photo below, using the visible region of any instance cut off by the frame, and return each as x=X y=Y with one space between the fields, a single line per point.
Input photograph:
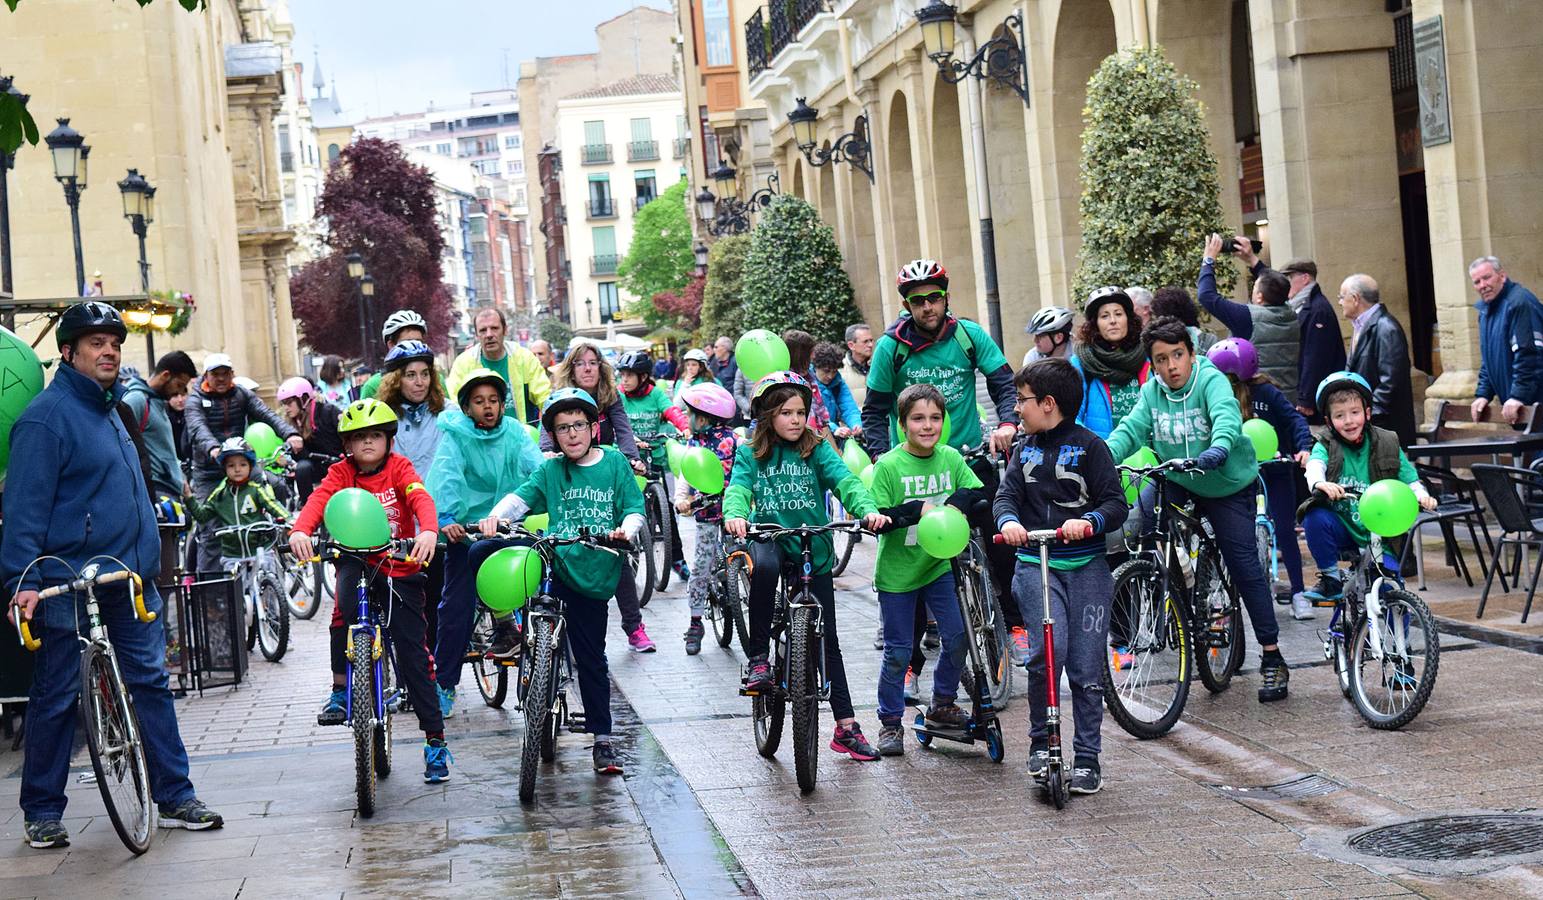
x=407 y=628
x=771 y=566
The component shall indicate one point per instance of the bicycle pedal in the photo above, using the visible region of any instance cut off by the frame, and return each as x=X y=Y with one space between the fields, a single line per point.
x=747 y=692
x=1325 y=604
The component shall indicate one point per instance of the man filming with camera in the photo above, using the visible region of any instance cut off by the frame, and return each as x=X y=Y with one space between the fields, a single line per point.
x=1267 y=321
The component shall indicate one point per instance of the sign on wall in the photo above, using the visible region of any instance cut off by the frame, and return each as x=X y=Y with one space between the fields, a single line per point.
x=1430 y=64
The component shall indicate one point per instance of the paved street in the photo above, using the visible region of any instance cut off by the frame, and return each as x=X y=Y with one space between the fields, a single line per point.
x=700 y=814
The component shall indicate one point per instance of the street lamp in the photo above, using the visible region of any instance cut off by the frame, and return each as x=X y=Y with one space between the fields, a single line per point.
x=700 y=252
x=1001 y=59
x=705 y=205
x=357 y=275
x=724 y=181
x=854 y=147
x=731 y=215
x=139 y=209
x=69 y=150
x=355 y=266
x=589 y=310
x=7 y=162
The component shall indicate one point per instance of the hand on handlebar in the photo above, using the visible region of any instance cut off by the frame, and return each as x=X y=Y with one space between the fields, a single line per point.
x=1330 y=490
x=454 y=532
x=875 y=521
x=639 y=467
x=26 y=601
x=1014 y=534
x=490 y=526
x=300 y=545
x=683 y=507
x=1002 y=438
x=423 y=547
x=1302 y=456
x=1076 y=529
x=736 y=527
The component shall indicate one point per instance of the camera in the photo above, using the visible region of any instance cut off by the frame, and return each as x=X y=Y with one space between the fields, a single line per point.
x=1230 y=245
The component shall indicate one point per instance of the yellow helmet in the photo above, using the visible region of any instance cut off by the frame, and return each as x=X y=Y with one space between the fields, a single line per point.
x=367 y=415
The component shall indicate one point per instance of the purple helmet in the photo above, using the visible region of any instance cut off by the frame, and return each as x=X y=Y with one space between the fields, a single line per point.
x=1235 y=356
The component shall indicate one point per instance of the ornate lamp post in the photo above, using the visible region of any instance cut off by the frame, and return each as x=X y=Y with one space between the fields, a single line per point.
x=356 y=273
x=730 y=215
x=854 y=148
x=139 y=209
x=70 y=152
x=700 y=252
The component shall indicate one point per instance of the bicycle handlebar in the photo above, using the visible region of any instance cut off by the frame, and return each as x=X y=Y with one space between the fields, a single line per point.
x=1173 y=465
x=1042 y=536
x=766 y=532
x=137 y=592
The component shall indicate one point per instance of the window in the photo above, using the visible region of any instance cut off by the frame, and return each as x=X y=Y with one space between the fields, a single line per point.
x=605 y=241
x=644 y=186
x=610 y=301
x=718 y=32
x=600 y=203
x=642 y=130
x=486 y=166
x=594 y=132
x=332 y=153
x=519 y=197
x=516 y=167
x=442 y=149
x=511 y=142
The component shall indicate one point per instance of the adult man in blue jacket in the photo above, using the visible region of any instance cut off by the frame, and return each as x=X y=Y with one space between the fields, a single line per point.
x=75 y=491
x=1510 y=341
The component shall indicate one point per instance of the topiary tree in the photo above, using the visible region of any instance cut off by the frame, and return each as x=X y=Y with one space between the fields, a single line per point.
x=793 y=276
x=722 y=311
x=1150 y=192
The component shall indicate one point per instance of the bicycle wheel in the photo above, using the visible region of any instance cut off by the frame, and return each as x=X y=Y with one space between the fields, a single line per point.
x=1147 y=679
x=362 y=712
x=717 y=613
x=117 y=750
x=312 y=588
x=389 y=698
x=737 y=598
x=559 y=712
x=492 y=676
x=273 y=624
x=769 y=711
x=538 y=706
x=985 y=624
x=846 y=544
x=640 y=566
x=1389 y=692
x=804 y=695
x=661 y=524
x=1264 y=539
x=1218 y=631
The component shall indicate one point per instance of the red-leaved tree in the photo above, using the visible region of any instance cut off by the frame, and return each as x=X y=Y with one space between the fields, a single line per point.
x=683 y=307
x=377 y=204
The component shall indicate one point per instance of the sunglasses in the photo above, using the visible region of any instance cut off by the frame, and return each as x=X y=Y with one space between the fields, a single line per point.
x=929 y=297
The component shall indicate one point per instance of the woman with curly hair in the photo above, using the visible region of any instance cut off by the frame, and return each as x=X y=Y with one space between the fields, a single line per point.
x=1111 y=358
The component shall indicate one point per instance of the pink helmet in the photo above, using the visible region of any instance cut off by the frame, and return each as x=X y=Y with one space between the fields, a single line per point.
x=710 y=399
x=296 y=388
x=1236 y=357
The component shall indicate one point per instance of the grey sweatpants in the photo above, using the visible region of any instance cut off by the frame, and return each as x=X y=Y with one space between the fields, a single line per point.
x=1079 y=604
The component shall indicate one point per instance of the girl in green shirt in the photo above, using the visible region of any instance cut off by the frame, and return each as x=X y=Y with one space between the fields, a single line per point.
x=781 y=477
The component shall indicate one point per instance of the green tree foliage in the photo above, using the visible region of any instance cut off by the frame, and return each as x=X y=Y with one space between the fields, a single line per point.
x=556 y=332
x=793 y=276
x=722 y=311
x=1150 y=193
x=659 y=258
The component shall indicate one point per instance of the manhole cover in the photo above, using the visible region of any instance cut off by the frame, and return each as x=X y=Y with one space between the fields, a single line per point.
x=1299 y=788
x=1454 y=838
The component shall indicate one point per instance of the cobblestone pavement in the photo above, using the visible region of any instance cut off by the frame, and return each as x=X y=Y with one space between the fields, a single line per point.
x=701 y=814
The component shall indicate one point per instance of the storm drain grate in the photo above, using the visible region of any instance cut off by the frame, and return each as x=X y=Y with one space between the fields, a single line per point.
x=1299 y=788
x=1454 y=838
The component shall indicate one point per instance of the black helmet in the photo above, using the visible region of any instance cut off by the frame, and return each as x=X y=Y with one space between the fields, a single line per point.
x=635 y=361
x=90 y=317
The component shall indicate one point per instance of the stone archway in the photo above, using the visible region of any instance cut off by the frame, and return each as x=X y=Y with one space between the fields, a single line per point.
x=798 y=179
x=827 y=204
x=862 y=249
x=901 y=181
x=1084 y=36
x=952 y=192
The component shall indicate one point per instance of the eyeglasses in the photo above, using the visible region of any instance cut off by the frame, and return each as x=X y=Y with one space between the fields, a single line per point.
x=929 y=297
x=570 y=428
x=1029 y=399
x=586 y=364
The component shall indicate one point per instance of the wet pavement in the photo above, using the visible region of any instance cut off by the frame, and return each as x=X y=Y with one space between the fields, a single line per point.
x=701 y=814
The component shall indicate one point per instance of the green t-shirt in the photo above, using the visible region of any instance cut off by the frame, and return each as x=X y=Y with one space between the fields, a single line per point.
x=372 y=387
x=501 y=366
x=787 y=489
x=945 y=364
x=646 y=415
x=900 y=477
x=1357 y=474
x=597 y=497
x=1123 y=398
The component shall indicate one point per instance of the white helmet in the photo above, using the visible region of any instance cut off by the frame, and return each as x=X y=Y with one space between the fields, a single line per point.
x=1050 y=320
x=402 y=318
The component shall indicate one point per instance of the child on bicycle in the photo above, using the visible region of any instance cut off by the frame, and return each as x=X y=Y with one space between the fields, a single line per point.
x=781 y=477
x=1060 y=475
x=586 y=487
x=368 y=428
x=237 y=500
x=482 y=456
x=1350 y=453
x=915 y=476
x=653 y=416
x=1189 y=412
x=712 y=408
x=1259 y=398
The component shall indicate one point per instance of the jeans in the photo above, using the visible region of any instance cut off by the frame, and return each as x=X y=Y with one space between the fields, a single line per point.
x=1280 y=488
x=1327 y=536
x=899 y=614
x=1079 y=604
x=51 y=709
x=458 y=606
x=770 y=567
x=308 y=474
x=406 y=625
x=585 y=618
x=1232 y=522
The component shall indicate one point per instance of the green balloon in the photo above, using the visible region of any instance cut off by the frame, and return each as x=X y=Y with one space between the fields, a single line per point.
x=855 y=458
x=674 y=451
x=866 y=477
x=509 y=578
x=702 y=470
x=21 y=379
x=263 y=439
x=534 y=432
x=1262 y=433
x=948 y=430
x=539 y=522
x=356 y=520
x=760 y=353
x=1143 y=458
x=943 y=532
x=642 y=481
x=1388 y=508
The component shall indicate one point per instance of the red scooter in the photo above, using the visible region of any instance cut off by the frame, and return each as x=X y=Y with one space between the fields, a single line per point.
x=1056 y=781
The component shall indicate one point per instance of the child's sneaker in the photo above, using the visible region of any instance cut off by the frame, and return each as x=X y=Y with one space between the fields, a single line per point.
x=760 y=674
x=335 y=710
x=1301 y=607
x=1039 y=762
x=946 y=715
x=506 y=641
x=639 y=641
x=1086 y=777
x=446 y=701
x=683 y=570
x=436 y=761
x=1273 y=678
x=1121 y=658
x=1019 y=647
x=878 y=641
x=605 y=759
x=891 y=740
x=849 y=739
x=694 y=634
x=1327 y=591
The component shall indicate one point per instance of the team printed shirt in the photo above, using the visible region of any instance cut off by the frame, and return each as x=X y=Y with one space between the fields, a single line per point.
x=396 y=484
x=787 y=489
x=945 y=364
x=1357 y=474
x=900 y=477
x=653 y=416
x=595 y=497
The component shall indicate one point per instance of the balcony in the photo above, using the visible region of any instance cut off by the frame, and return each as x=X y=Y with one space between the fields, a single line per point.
x=642 y=151
x=682 y=147
x=595 y=154
x=757 y=43
x=603 y=264
x=602 y=208
x=642 y=200
x=767 y=35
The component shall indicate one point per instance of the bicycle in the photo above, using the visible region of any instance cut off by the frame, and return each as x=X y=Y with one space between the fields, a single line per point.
x=798 y=657
x=728 y=588
x=1391 y=631
x=106 y=710
x=983 y=616
x=262 y=577
x=660 y=513
x=490 y=673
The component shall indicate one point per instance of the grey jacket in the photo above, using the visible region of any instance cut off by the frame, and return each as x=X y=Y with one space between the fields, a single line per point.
x=211 y=418
x=149 y=411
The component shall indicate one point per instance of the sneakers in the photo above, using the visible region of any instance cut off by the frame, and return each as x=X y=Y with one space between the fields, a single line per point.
x=436 y=761
x=1327 y=591
x=1086 y=778
x=930 y=637
x=1301 y=607
x=506 y=641
x=335 y=710
x=638 y=640
x=192 y=815
x=947 y=716
x=48 y=834
x=849 y=739
x=878 y=640
x=760 y=674
x=694 y=634
x=683 y=570
x=1274 y=675
x=891 y=741
x=606 y=760
x=1039 y=762
x=446 y=701
x=1019 y=648
x=911 y=697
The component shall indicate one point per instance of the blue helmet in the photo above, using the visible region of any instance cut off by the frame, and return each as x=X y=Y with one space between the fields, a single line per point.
x=1339 y=381
x=566 y=400
x=407 y=352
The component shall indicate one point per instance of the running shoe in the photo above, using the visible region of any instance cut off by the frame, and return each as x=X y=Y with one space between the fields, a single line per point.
x=1301 y=607
x=878 y=640
x=911 y=697
x=891 y=740
x=446 y=701
x=1329 y=588
x=605 y=759
x=506 y=641
x=1274 y=676
x=48 y=834
x=849 y=739
x=335 y=710
x=436 y=761
x=947 y=715
x=1121 y=658
x=760 y=674
x=1086 y=779
x=930 y=639
x=683 y=570
x=190 y=814
x=694 y=634
x=1039 y=762
x=639 y=641
x=1019 y=650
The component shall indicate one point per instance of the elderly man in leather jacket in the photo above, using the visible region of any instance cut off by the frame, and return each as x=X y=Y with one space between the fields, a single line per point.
x=1379 y=352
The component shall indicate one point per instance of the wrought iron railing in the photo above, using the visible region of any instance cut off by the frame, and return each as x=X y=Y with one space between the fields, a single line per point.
x=603 y=264
x=602 y=208
x=593 y=154
x=757 y=43
x=642 y=151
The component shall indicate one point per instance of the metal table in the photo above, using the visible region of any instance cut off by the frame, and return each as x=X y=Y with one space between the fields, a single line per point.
x=1499 y=445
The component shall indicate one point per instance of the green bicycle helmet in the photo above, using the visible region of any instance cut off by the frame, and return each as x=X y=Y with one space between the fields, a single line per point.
x=568 y=399
x=367 y=415
x=481 y=376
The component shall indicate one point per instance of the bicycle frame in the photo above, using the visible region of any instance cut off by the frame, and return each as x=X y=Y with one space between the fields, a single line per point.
x=804 y=599
x=1363 y=596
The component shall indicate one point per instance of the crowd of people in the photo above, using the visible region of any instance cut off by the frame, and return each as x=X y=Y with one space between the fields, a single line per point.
x=102 y=454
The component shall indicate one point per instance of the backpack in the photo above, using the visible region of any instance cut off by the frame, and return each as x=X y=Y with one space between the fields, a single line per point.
x=902 y=352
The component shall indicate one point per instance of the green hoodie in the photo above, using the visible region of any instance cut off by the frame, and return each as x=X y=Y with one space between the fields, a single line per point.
x=1183 y=423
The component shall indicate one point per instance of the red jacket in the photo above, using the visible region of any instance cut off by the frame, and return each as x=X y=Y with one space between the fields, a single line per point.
x=409 y=508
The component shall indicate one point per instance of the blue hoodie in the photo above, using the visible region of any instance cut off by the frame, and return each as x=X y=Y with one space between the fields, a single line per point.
x=75 y=489
x=475 y=467
x=1511 y=346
